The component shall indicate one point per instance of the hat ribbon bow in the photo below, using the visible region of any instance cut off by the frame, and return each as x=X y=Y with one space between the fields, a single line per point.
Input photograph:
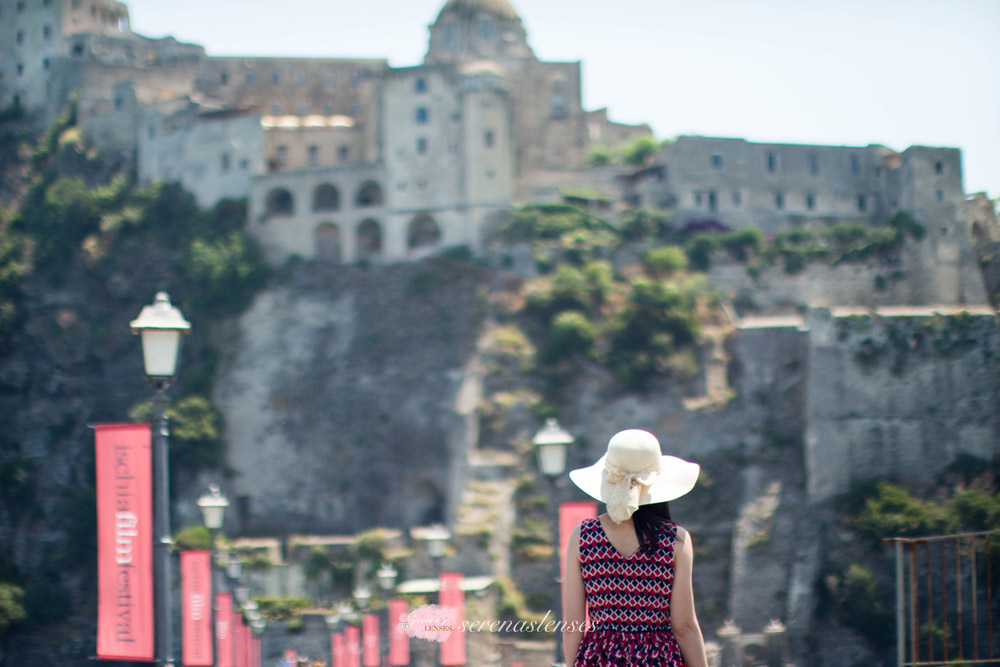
x=626 y=488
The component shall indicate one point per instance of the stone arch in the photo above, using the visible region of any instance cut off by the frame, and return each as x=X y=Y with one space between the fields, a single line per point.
x=326 y=197
x=369 y=194
x=280 y=202
x=369 y=239
x=328 y=244
x=423 y=231
x=979 y=234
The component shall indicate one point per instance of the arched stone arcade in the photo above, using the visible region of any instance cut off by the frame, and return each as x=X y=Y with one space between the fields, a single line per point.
x=329 y=247
x=279 y=203
x=422 y=232
x=369 y=194
x=369 y=240
x=326 y=197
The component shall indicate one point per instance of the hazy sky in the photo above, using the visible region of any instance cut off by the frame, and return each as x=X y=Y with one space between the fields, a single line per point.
x=854 y=72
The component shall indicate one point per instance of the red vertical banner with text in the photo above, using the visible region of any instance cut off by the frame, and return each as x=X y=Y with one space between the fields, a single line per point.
x=239 y=641
x=337 y=650
x=451 y=597
x=369 y=639
x=570 y=516
x=224 y=629
x=124 y=542
x=352 y=637
x=399 y=641
x=196 y=608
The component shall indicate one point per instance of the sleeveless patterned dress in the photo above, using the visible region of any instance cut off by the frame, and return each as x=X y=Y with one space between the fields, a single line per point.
x=628 y=602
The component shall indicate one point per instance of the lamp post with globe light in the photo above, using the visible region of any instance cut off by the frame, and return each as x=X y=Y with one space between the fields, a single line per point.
x=162 y=328
x=213 y=512
x=551 y=444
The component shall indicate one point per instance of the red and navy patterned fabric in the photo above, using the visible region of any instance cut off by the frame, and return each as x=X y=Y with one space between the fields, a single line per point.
x=628 y=602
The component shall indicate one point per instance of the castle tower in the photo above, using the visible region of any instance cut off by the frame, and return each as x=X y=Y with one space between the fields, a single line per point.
x=476 y=30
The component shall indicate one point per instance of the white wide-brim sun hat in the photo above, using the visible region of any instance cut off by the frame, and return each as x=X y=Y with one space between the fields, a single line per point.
x=636 y=467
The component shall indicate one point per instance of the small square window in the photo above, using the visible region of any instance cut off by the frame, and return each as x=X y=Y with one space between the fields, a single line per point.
x=313 y=156
x=489 y=138
x=20 y=37
x=779 y=200
x=811 y=202
x=939 y=195
x=282 y=154
x=276 y=78
x=342 y=153
x=20 y=8
x=244 y=164
x=420 y=85
x=225 y=163
x=303 y=79
x=421 y=145
x=251 y=77
x=224 y=78
x=855 y=165
x=20 y=69
x=938 y=168
x=46 y=31
x=717 y=161
x=45 y=64
x=862 y=203
x=421 y=115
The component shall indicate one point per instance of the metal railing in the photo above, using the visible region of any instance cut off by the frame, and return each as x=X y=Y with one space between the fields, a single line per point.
x=945 y=603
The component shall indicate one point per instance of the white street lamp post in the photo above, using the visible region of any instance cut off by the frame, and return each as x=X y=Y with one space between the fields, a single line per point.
x=162 y=328
x=551 y=444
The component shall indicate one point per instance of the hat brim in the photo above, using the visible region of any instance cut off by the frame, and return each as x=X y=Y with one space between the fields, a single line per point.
x=676 y=478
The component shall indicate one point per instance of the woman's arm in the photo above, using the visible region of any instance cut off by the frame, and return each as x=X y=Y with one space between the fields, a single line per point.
x=683 y=619
x=574 y=599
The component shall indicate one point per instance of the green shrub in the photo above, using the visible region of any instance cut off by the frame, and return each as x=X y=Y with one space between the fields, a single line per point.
x=195 y=538
x=974 y=510
x=646 y=224
x=893 y=512
x=12 y=609
x=547 y=221
x=665 y=261
x=600 y=155
x=859 y=603
x=640 y=150
x=571 y=334
x=196 y=442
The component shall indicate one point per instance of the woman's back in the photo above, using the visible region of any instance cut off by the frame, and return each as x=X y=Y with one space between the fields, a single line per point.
x=628 y=600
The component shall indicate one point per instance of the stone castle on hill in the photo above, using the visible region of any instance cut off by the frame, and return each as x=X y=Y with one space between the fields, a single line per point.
x=349 y=160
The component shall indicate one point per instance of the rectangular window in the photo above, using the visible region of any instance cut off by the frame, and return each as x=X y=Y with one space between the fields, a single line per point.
x=328 y=109
x=421 y=145
x=20 y=69
x=20 y=37
x=420 y=86
x=303 y=109
x=282 y=155
x=313 y=156
x=772 y=162
x=810 y=201
x=938 y=168
x=20 y=6
x=813 y=164
x=45 y=64
x=862 y=203
x=712 y=200
x=421 y=115
x=244 y=165
x=329 y=80
x=717 y=161
x=779 y=200
x=737 y=198
x=76 y=4
x=46 y=31
x=489 y=138
x=225 y=163
x=276 y=78
x=697 y=198
x=855 y=165
x=303 y=79
x=251 y=77
x=939 y=195
x=355 y=79
x=276 y=108
x=342 y=153
x=224 y=78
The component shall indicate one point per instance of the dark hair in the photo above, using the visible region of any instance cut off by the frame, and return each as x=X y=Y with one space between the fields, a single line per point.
x=647 y=520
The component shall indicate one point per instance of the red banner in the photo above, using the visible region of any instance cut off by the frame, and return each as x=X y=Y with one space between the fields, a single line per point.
x=369 y=639
x=196 y=610
x=239 y=640
x=352 y=637
x=124 y=542
x=452 y=597
x=570 y=516
x=223 y=629
x=399 y=641
x=337 y=650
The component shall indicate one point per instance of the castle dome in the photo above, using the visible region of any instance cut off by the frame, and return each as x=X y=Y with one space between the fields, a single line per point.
x=499 y=8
